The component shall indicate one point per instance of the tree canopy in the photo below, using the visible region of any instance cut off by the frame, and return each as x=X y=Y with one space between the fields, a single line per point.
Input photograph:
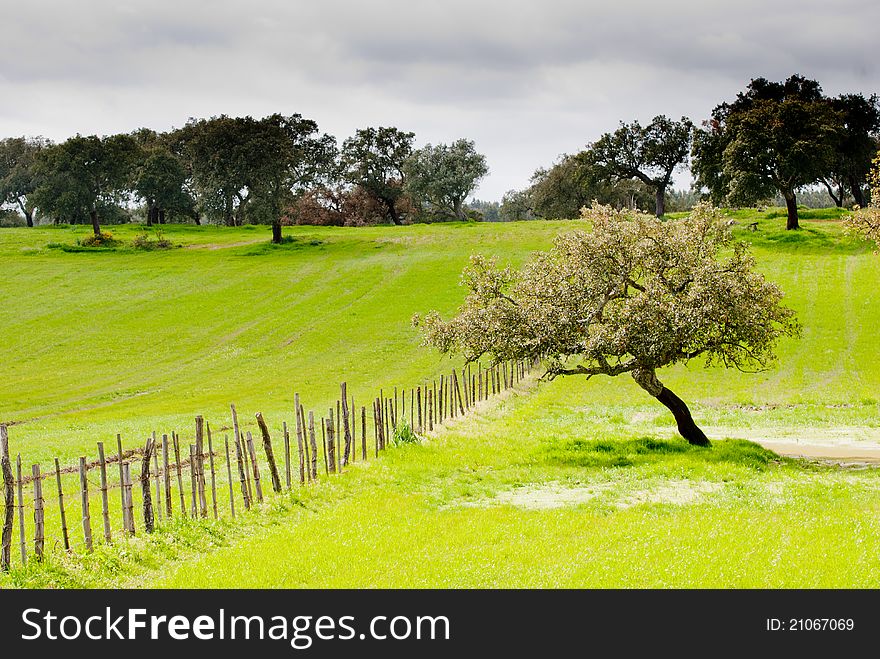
x=865 y=222
x=776 y=136
x=17 y=178
x=630 y=295
x=373 y=159
x=84 y=176
x=649 y=154
x=444 y=175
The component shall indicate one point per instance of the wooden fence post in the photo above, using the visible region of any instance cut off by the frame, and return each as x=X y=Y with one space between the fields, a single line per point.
x=84 y=488
x=314 y=445
x=229 y=475
x=286 y=436
x=193 y=482
x=242 y=477
x=270 y=454
x=157 y=508
x=324 y=445
x=127 y=497
x=299 y=441
x=125 y=524
x=419 y=405
x=61 y=506
x=166 y=475
x=39 y=536
x=430 y=411
x=9 y=501
x=198 y=468
x=363 y=432
x=252 y=453
x=149 y=519
x=20 y=484
x=179 y=467
x=346 y=429
x=105 y=501
x=331 y=445
x=213 y=475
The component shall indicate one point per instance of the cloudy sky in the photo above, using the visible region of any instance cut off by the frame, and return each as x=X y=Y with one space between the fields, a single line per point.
x=526 y=81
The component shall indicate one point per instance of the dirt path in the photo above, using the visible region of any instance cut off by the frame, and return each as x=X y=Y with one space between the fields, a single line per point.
x=867 y=453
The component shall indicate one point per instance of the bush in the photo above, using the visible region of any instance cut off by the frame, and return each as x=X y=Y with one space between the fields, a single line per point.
x=143 y=241
x=103 y=239
x=404 y=434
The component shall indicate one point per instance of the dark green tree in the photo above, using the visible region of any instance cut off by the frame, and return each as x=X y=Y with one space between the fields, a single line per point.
x=373 y=159
x=649 y=154
x=444 y=175
x=84 y=177
x=160 y=178
x=858 y=132
x=17 y=177
x=775 y=137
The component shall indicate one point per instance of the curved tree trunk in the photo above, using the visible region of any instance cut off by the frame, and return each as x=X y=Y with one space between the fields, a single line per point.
x=791 y=206
x=392 y=211
x=647 y=380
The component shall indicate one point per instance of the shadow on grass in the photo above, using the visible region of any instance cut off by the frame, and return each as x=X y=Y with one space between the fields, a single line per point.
x=601 y=453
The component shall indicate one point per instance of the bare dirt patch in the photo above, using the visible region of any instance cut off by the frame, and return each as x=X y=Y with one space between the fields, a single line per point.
x=556 y=495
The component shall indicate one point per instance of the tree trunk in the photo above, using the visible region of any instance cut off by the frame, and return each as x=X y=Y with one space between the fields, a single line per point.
x=93 y=214
x=459 y=212
x=150 y=210
x=857 y=192
x=276 y=232
x=392 y=211
x=791 y=206
x=837 y=198
x=660 y=201
x=160 y=215
x=647 y=380
x=29 y=217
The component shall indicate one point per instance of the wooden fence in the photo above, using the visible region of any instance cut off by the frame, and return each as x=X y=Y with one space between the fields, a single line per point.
x=214 y=477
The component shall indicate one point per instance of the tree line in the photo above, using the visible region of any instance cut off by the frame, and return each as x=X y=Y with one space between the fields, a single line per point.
x=239 y=170
x=774 y=139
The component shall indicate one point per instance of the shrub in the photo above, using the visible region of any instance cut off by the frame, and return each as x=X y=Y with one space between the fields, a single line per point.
x=143 y=241
x=404 y=434
x=103 y=239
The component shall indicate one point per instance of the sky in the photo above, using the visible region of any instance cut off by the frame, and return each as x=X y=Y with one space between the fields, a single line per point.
x=526 y=81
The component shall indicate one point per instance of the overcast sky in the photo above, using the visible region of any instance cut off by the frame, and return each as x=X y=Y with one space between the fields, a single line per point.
x=526 y=81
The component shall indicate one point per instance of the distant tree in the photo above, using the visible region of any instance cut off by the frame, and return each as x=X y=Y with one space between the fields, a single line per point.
x=444 y=175
x=650 y=154
x=490 y=210
x=776 y=136
x=574 y=182
x=84 y=177
x=857 y=144
x=247 y=169
x=516 y=205
x=17 y=178
x=373 y=159
x=631 y=295
x=160 y=178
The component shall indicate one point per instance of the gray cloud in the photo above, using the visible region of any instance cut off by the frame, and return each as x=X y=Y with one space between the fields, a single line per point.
x=525 y=80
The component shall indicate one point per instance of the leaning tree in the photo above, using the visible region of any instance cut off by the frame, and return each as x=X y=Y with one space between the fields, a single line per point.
x=630 y=295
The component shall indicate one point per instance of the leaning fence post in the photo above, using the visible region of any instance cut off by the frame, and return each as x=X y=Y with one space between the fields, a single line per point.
x=242 y=478
x=270 y=454
x=86 y=517
x=166 y=475
x=299 y=440
x=9 y=501
x=176 y=442
x=61 y=506
x=286 y=435
x=252 y=453
x=198 y=467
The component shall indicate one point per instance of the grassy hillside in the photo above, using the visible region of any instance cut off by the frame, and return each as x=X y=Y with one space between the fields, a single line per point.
x=100 y=342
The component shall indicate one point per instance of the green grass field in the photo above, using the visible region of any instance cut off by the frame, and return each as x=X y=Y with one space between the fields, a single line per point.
x=570 y=483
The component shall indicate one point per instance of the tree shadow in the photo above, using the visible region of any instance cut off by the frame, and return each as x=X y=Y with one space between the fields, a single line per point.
x=605 y=453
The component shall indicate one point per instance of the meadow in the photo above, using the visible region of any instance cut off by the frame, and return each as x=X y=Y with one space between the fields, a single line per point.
x=570 y=483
